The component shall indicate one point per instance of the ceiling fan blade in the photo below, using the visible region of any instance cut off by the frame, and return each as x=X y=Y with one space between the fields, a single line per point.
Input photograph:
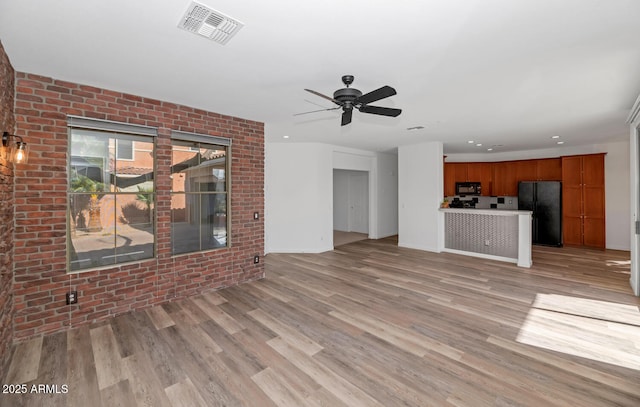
x=316 y=111
x=323 y=96
x=383 y=111
x=346 y=116
x=383 y=92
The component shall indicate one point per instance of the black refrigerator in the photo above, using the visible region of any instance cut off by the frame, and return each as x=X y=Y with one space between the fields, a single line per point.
x=544 y=199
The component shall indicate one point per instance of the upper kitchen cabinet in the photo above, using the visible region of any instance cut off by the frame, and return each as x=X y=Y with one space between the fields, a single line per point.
x=505 y=179
x=545 y=169
x=526 y=170
x=549 y=169
x=483 y=173
x=467 y=172
x=449 y=179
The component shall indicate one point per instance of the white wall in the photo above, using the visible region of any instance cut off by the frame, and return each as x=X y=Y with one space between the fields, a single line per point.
x=617 y=195
x=420 y=190
x=299 y=194
x=617 y=173
x=298 y=198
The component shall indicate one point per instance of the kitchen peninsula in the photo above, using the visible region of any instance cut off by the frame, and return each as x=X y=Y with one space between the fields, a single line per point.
x=495 y=234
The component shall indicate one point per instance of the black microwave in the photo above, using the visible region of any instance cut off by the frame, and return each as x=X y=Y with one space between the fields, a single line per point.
x=468 y=188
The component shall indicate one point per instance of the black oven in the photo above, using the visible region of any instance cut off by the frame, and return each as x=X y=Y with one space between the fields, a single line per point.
x=468 y=188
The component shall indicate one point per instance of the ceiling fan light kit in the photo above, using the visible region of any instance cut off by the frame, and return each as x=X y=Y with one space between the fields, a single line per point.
x=349 y=98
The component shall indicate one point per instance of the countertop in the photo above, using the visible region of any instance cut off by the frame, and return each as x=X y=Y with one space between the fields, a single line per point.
x=496 y=212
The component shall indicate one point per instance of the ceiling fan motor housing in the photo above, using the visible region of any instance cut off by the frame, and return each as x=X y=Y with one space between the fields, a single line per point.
x=346 y=95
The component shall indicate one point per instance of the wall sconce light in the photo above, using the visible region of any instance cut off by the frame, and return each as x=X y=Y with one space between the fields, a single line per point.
x=17 y=153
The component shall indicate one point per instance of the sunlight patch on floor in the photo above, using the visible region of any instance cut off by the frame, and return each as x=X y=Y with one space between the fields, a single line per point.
x=619 y=266
x=598 y=330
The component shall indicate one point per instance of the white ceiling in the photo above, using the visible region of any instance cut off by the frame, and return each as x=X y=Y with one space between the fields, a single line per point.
x=509 y=72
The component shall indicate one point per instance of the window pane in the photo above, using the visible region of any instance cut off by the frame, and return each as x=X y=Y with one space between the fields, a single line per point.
x=111 y=200
x=131 y=175
x=199 y=169
x=184 y=229
x=184 y=155
x=212 y=169
x=92 y=237
x=199 y=199
x=198 y=222
x=89 y=158
x=219 y=227
x=134 y=227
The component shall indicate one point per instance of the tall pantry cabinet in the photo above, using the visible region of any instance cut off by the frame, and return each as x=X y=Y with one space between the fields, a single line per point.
x=583 y=200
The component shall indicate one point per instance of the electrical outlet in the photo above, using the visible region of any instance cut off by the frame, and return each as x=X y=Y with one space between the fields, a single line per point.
x=256 y=259
x=72 y=297
x=256 y=215
x=487 y=242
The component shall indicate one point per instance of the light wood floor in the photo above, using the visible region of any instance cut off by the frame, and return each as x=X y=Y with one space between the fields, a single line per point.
x=369 y=324
x=341 y=238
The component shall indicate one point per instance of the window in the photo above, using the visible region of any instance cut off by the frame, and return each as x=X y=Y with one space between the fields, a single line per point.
x=111 y=202
x=199 y=194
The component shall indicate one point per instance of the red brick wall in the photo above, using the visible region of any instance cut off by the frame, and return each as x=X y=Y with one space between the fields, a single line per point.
x=7 y=90
x=41 y=280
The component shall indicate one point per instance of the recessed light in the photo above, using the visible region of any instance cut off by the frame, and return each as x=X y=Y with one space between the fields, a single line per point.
x=555 y=136
x=470 y=141
x=479 y=145
x=489 y=149
x=560 y=142
x=285 y=136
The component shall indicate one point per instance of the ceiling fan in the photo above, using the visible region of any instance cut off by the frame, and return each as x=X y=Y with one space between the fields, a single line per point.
x=349 y=98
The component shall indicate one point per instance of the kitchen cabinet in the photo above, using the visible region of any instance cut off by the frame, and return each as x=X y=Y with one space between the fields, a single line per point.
x=501 y=178
x=505 y=179
x=549 y=169
x=449 y=179
x=544 y=169
x=526 y=170
x=583 y=200
x=467 y=172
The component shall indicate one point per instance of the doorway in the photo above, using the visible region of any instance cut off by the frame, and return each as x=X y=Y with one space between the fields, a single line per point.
x=351 y=204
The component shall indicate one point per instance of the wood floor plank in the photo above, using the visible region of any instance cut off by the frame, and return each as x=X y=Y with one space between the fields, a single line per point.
x=106 y=356
x=185 y=394
x=53 y=369
x=156 y=349
x=277 y=389
x=25 y=362
x=216 y=314
x=159 y=317
x=145 y=385
x=211 y=379
x=123 y=328
x=118 y=394
x=214 y=297
x=333 y=383
x=81 y=370
x=292 y=336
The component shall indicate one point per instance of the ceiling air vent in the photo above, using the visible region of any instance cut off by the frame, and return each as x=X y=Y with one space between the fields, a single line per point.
x=209 y=23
